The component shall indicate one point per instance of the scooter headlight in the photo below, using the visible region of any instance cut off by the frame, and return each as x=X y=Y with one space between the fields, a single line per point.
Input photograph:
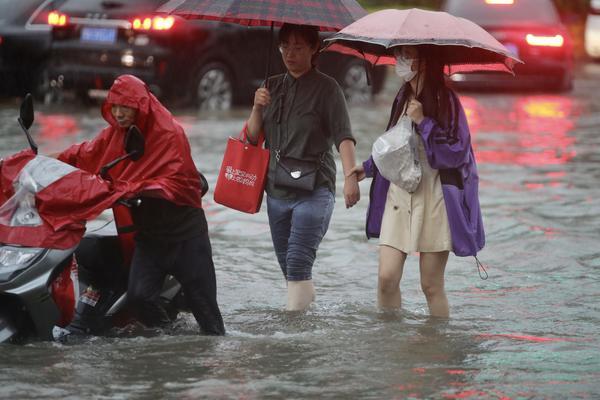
x=13 y=259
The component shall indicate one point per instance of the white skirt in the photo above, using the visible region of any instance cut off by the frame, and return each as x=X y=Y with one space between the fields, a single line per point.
x=417 y=222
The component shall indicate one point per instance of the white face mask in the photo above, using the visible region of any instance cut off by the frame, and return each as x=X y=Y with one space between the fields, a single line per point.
x=403 y=68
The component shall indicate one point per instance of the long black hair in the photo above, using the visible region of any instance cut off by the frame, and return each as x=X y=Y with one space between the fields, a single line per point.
x=435 y=95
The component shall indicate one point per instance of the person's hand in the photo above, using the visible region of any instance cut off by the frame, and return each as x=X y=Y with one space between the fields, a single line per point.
x=351 y=190
x=262 y=97
x=359 y=172
x=415 y=111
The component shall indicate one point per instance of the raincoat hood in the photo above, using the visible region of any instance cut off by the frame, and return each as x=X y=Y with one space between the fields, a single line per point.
x=127 y=90
x=166 y=170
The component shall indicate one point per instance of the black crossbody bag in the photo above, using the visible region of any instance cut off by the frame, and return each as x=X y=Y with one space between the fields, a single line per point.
x=296 y=174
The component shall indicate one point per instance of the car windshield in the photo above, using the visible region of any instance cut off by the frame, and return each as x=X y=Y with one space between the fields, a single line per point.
x=517 y=12
x=121 y=7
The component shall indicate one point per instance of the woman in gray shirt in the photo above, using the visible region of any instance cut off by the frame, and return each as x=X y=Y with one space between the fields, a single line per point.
x=302 y=114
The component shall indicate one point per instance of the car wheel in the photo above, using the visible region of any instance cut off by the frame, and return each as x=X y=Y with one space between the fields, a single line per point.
x=355 y=84
x=214 y=87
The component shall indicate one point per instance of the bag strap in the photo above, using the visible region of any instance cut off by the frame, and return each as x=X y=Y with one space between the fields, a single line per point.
x=481 y=269
x=281 y=101
x=243 y=136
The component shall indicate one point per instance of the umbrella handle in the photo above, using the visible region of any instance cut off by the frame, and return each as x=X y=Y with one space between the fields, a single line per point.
x=418 y=73
x=268 y=71
x=367 y=67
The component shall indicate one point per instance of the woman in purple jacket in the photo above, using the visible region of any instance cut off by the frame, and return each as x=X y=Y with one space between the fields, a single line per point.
x=443 y=214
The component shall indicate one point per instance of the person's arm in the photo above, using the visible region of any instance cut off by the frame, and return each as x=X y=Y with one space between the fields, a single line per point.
x=351 y=188
x=369 y=167
x=254 y=125
x=86 y=155
x=446 y=147
x=364 y=170
x=338 y=122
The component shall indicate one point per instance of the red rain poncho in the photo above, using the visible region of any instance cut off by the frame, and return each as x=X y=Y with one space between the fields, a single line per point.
x=166 y=170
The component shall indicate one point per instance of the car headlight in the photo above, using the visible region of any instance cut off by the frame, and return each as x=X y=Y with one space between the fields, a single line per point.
x=13 y=259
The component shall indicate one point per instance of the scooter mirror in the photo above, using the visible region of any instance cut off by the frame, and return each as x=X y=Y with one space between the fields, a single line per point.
x=134 y=148
x=26 y=114
x=26 y=120
x=134 y=143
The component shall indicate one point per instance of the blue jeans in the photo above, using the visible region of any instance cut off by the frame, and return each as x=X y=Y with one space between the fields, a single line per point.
x=297 y=228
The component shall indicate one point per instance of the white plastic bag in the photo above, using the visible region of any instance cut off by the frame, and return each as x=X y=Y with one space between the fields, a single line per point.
x=395 y=155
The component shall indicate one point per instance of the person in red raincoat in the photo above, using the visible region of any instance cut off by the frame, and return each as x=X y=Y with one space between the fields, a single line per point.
x=172 y=233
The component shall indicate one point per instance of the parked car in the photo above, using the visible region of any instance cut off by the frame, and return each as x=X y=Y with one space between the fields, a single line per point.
x=532 y=30
x=24 y=44
x=214 y=65
x=592 y=30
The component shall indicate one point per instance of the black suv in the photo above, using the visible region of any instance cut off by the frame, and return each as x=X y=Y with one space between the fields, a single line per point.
x=24 y=44
x=212 y=64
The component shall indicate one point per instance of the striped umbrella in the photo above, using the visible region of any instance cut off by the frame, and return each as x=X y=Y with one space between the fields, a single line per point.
x=327 y=15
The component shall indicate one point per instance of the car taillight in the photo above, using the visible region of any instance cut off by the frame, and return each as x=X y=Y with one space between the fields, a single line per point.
x=57 y=19
x=156 y=23
x=547 y=41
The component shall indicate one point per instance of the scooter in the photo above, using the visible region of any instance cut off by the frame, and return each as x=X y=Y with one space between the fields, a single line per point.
x=44 y=290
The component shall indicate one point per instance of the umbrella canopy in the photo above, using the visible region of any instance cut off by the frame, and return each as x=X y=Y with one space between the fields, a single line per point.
x=328 y=15
x=463 y=45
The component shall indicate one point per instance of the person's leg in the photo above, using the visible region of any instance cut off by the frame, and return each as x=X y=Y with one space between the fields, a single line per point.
x=280 y=214
x=391 y=266
x=101 y=270
x=146 y=278
x=195 y=270
x=433 y=266
x=310 y=221
x=300 y=294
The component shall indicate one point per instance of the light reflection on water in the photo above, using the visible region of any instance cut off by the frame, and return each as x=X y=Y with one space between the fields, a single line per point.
x=529 y=331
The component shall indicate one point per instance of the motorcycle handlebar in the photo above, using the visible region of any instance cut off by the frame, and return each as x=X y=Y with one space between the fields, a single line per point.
x=131 y=203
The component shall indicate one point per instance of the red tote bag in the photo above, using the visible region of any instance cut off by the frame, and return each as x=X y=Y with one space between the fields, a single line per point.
x=243 y=174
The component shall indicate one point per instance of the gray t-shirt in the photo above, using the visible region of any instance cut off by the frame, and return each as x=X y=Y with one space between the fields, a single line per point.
x=305 y=118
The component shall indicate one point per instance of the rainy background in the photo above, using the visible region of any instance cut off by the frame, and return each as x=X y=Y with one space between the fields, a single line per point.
x=530 y=331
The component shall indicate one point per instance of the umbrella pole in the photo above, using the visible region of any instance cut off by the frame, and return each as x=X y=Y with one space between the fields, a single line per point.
x=418 y=78
x=368 y=67
x=270 y=50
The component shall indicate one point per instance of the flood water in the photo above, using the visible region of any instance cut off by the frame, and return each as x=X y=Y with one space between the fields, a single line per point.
x=530 y=331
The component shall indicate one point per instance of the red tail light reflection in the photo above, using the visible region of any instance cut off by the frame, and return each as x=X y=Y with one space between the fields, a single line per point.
x=500 y=2
x=57 y=19
x=531 y=131
x=55 y=126
x=547 y=41
x=157 y=23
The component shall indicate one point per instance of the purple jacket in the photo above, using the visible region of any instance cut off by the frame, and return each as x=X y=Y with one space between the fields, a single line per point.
x=453 y=156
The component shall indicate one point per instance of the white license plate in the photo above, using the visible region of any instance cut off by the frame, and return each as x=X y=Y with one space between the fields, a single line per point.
x=101 y=35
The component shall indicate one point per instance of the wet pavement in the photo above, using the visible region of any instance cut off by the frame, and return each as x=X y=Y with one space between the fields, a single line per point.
x=528 y=332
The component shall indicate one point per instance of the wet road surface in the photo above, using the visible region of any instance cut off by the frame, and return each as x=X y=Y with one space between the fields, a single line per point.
x=528 y=332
